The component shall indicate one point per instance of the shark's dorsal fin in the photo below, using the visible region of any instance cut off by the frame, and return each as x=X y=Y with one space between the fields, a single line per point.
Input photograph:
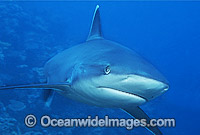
x=95 y=29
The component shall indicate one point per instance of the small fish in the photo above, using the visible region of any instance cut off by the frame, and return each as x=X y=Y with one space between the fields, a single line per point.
x=16 y=105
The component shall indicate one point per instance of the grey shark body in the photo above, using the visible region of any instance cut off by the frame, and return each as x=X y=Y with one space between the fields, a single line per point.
x=103 y=73
x=131 y=79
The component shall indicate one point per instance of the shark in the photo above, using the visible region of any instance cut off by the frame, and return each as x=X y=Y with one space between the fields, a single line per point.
x=103 y=73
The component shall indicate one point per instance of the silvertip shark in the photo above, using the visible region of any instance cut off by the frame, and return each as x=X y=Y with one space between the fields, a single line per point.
x=103 y=73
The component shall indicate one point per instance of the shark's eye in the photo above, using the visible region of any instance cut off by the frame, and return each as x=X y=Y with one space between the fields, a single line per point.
x=107 y=70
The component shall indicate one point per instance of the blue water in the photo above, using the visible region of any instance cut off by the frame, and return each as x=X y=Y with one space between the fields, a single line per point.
x=165 y=33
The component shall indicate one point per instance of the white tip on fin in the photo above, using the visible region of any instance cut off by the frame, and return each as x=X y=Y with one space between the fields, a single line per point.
x=97 y=6
x=95 y=29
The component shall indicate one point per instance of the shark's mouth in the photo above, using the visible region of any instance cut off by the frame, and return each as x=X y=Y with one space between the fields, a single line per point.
x=123 y=92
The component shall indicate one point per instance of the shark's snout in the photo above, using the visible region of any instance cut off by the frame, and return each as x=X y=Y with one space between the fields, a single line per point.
x=140 y=86
x=137 y=85
x=166 y=87
x=146 y=87
x=158 y=90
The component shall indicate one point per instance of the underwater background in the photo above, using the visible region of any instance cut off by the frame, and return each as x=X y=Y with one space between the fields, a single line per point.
x=165 y=33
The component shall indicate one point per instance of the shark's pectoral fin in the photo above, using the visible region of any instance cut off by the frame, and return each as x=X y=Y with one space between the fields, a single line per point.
x=95 y=29
x=138 y=113
x=56 y=86
x=49 y=89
